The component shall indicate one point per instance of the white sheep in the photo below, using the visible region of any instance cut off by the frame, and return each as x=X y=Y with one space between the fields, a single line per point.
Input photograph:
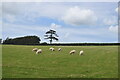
x=81 y=52
x=72 y=52
x=39 y=51
x=59 y=49
x=52 y=49
x=35 y=49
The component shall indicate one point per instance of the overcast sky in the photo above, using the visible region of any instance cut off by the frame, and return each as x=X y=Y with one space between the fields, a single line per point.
x=73 y=21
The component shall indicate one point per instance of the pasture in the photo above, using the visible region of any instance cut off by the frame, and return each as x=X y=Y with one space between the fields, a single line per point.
x=98 y=62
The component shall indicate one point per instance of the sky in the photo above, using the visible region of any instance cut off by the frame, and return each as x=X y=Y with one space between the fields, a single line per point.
x=73 y=21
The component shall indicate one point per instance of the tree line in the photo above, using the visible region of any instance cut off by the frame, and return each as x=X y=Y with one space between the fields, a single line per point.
x=50 y=35
x=83 y=44
x=26 y=40
x=0 y=40
x=35 y=40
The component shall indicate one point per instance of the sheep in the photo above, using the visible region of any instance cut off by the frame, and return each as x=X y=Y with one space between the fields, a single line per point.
x=72 y=52
x=52 y=49
x=81 y=52
x=35 y=49
x=39 y=51
x=59 y=49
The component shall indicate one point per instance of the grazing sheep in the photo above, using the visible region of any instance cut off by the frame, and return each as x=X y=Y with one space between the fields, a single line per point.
x=35 y=49
x=59 y=49
x=72 y=52
x=52 y=49
x=81 y=52
x=39 y=51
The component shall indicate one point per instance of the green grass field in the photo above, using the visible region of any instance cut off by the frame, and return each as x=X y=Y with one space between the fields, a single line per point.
x=98 y=62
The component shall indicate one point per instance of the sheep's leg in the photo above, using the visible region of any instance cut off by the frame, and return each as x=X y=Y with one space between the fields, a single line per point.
x=37 y=53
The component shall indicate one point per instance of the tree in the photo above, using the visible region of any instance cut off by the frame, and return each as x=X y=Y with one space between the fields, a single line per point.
x=7 y=41
x=51 y=35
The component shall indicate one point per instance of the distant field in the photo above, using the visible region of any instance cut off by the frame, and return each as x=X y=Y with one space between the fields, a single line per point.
x=98 y=62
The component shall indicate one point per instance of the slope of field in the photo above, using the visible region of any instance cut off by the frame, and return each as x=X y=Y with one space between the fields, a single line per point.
x=98 y=62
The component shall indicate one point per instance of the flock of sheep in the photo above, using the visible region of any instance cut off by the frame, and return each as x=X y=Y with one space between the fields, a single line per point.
x=59 y=49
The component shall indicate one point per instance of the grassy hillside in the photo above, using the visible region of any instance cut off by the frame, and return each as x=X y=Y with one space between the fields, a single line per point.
x=98 y=62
